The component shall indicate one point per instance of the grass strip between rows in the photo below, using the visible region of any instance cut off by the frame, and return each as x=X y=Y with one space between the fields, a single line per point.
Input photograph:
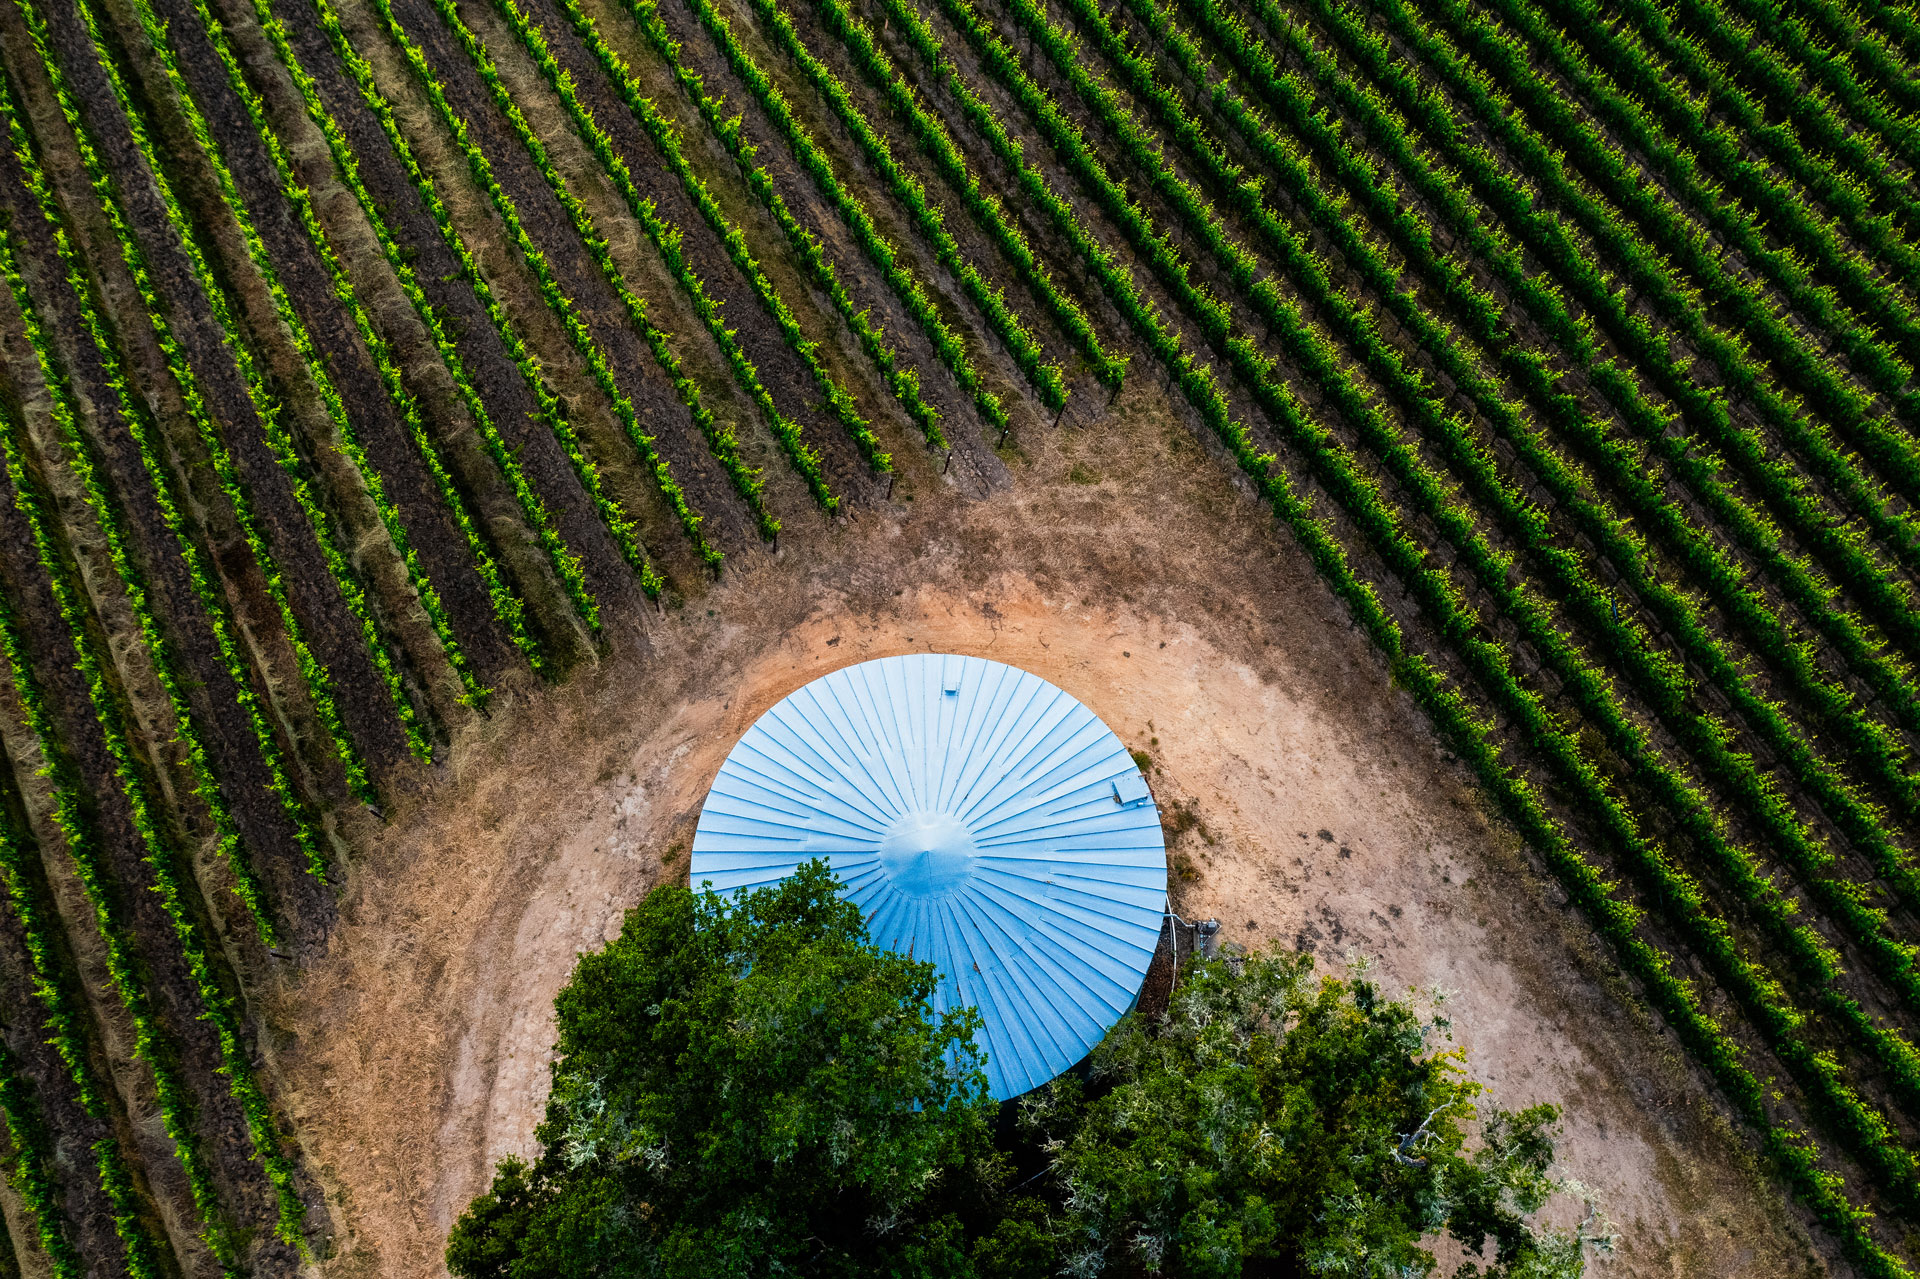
x=317 y=679
x=65 y=1022
x=507 y=606
x=668 y=241
x=906 y=286
x=1863 y=1129
x=666 y=140
x=1020 y=341
x=164 y=662
x=550 y=410
x=346 y=439
x=804 y=246
x=578 y=335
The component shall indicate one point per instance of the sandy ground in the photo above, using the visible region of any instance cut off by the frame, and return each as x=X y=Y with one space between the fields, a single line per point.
x=1310 y=801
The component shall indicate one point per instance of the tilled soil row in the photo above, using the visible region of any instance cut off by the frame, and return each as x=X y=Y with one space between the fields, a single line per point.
x=508 y=400
x=780 y=368
x=87 y=1214
x=375 y=417
x=1603 y=412
x=656 y=404
x=331 y=631
x=184 y=1037
x=1408 y=613
x=1527 y=482
x=967 y=433
x=301 y=907
x=1745 y=413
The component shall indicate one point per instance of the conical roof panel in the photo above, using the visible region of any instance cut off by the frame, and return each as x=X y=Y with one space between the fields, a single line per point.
x=982 y=819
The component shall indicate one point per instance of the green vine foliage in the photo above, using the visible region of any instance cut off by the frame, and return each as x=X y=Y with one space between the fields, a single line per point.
x=31 y=1171
x=508 y=609
x=666 y=140
x=73 y=817
x=988 y=211
x=1046 y=378
x=158 y=852
x=804 y=244
x=1864 y=1130
x=1844 y=548
x=347 y=439
x=100 y=503
x=56 y=986
x=566 y=564
x=1665 y=684
x=667 y=241
x=882 y=252
x=1847 y=169
x=578 y=334
x=1667 y=124
x=129 y=410
x=1774 y=346
x=550 y=410
x=1542 y=233
x=1447 y=705
x=317 y=680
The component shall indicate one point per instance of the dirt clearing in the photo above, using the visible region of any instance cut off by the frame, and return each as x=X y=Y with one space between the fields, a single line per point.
x=1305 y=798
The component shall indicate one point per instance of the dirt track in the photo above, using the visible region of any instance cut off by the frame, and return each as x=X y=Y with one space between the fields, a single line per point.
x=415 y=1054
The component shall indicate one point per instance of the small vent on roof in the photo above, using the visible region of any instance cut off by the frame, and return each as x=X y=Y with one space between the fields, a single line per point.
x=1129 y=790
x=952 y=683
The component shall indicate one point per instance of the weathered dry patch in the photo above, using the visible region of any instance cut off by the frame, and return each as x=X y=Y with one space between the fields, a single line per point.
x=1306 y=800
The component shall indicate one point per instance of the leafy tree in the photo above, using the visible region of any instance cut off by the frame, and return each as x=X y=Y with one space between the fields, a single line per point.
x=746 y=1087
x=749 y=1087
x=1272 y=1124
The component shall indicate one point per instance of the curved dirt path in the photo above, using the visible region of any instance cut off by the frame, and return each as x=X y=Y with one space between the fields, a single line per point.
x=1309 y=804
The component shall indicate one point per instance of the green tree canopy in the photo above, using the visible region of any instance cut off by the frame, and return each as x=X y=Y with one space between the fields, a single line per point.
x=1272 y=1123
x=744 y=1087
x=748 y=1087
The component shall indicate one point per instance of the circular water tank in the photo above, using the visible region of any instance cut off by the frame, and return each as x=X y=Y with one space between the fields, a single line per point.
x=982 y=819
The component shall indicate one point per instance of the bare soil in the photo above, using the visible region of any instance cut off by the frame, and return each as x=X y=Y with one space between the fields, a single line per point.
x=224 y=730
x=331 y=630
x=1306 y=803
x=128 y=883
x=383 y=433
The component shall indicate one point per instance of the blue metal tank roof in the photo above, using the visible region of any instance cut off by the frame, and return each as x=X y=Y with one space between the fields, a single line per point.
x=982 y=819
